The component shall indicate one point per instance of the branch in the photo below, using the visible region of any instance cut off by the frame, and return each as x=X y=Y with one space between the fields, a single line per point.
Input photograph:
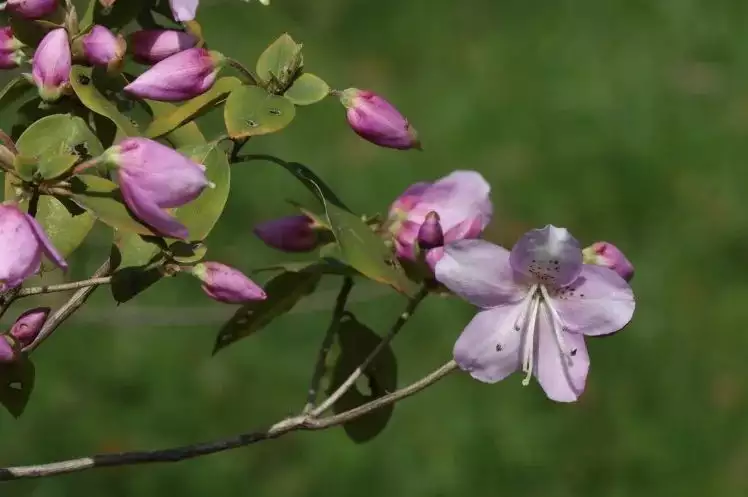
x=63 y=287
x=324 y=349
x=347 y=384
x=296 y=423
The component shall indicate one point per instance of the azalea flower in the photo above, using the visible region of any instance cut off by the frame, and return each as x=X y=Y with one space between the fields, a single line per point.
x=537 y=303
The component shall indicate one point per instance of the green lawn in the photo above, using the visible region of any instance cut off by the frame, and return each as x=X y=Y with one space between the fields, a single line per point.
x=622 y=120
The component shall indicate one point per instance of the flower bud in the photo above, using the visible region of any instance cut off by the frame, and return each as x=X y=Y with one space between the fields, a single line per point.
x=289 y=234
x=182 y=76
x=29 y=324
x=430 y=234
x=22 y=243
x=184 y=10
x=52 y=64
x=31 y=9
x=103 y=48
x=376 y=120
x=154 y=177
x=11 y=60
x=154 y=45
x=608 y=255
x=226 y=284
x=8 y=349
x=8 y=42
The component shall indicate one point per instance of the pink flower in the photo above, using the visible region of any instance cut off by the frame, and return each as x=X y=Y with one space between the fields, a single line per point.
x=52 y=64
x=537 y=303
x=184 y=10
x=376 y=120
x=608 y=255
x=153 y=177
x=431 y=234
x=289 y=234
x=8 y=349
x=226 y=284
x=22 y=243
x=182 y=76
x=461 y=200
x=31 y=9
x=11 y=60
x=8 y=42
x=29 y=324
x=154 y=45
x=103 y=48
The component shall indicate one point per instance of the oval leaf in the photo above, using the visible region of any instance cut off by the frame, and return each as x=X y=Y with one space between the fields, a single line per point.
x=283 y=293
x=307 y=89
x=16 y=385
x=251 y=111
x=280 y=60
x=66 y=225
x=137 y=259
x=187 y=134
x=83 y=85
x=192 y=108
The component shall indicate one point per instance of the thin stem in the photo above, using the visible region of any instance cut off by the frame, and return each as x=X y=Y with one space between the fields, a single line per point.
x=251 y=78
x=7 y=299
x=63 y=287
x=34 y=203
x=348 y=383
x=236 y=147
x=295 y=423
x=68 y=308
x=324 y=349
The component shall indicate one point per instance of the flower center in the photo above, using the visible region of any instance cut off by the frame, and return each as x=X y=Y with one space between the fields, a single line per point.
x=538 y=299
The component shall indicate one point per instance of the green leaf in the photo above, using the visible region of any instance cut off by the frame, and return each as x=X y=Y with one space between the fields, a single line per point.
x=14 y=91
x=283 y=293
x=187 y=134
x=66 y=225
x=356 y=342
x=103 y=199
x=16 y=385
x=202 y=214
x=251 y=111
x=131 y=282
x=30 y=32
x=192 y=108
x=118 y=16
x=307 y=89
x=188 y=253
x=81 y=79
x=138 y=260
x=280 y=61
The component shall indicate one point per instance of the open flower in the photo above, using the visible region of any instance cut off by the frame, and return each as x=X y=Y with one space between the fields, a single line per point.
x=461 y=201
x=154 y=45
x=52 y=64
x=153 y=177
x=537 y=303
x=22 y=243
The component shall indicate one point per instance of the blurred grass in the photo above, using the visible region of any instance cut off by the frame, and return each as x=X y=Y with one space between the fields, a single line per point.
x=623 y=120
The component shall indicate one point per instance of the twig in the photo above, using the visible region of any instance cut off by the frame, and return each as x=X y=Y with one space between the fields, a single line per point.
x=324 y=349
x=296 y=423
x=63 y=287
x=249 y=75
x=236 y=147
x=347 y=384
x=6 y=299
x=68 y=308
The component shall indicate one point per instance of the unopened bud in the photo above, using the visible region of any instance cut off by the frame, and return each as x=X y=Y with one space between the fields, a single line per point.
x=608 y=255
x=376 y=120
x=103 y=48
x=52 y=64
x=29 y=324
x=9 y=349
x=226 y=284
x=31 y=9
x=289 y=234
x=430 y=234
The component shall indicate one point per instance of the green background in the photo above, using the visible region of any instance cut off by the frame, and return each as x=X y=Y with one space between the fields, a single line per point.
x=622 y=120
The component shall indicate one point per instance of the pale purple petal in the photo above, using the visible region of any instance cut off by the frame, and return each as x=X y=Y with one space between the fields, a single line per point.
x=154 y=45
x=405 y=239
x=563 y=378
x=489 y=347
x=184 y=10
x=52 y=61
x=182 y=76
x=408 y=199
x=46 y=244
x=20 y=251
x=597 y=303
x=150 y=213
x=479 y=272
x=549 y=256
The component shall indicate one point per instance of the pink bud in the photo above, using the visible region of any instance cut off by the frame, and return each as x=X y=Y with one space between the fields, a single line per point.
x=182 y=76
x=430 y=234
x=52 y=64
x=31 y=9
x=11 y=60
x=608 y=255
x=22 y=242
x=27 y=326
x=289 y=234
x=184 y=10
x=8 y=349
x=103 y=48
x=154 y=177
x=376 y=120
x=154 y=45
x=226 y=284
x=8 y=42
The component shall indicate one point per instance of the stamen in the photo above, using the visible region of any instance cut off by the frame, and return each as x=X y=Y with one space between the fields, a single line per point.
x=559 y=328
x=529 y=352
x=519 y=323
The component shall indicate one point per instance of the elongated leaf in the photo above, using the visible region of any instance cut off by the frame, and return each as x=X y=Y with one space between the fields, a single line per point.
x=202 y=214
x=82 y=83
x=307 y=89
x=192 y=108
x=187 y=134
x=103 y=199
x=16 y=385
x=283 y=293
x=137 y=259
x=251 y=111
x=280 y=60
x=15 y=90
x=356 y=343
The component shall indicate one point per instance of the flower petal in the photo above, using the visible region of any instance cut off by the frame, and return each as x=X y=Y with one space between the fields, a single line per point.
x=597 y=303
x=563 y=378
x=479 y=272
x=184 y=10
x=49 y=250
x=462 y=196
x=489 y=347
x=549 y=255
x=408 y=199
x=147 y=211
